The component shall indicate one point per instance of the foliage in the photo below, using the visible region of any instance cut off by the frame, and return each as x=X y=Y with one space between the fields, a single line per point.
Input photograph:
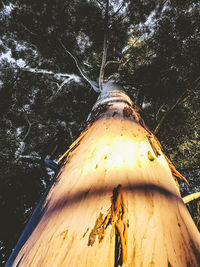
x=156 y=45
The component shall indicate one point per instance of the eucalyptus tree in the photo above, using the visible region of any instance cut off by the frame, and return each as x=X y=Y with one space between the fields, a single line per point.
x=114 y=201
x=46 y=101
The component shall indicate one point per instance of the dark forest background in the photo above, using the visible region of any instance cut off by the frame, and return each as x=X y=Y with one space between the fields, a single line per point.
x=153 y=52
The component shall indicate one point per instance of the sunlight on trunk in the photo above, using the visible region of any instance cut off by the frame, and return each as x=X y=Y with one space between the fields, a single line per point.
x=114 y=202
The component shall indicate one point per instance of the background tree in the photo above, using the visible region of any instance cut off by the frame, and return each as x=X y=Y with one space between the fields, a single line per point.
x=44 y=102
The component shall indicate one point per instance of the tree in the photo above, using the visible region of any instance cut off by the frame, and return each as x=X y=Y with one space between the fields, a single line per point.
x=114 y=201
x=44 y=101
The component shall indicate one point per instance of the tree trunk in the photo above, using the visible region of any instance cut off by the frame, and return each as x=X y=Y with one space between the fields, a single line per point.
x=114 y=201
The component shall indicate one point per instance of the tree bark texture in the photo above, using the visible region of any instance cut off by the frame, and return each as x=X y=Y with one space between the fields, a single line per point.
x=114 y=201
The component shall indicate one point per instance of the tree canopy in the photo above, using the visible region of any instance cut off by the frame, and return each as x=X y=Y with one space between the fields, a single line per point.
x=153 y=51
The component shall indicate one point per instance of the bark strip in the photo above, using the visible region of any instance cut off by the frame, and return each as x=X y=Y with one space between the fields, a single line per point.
x=119 y=219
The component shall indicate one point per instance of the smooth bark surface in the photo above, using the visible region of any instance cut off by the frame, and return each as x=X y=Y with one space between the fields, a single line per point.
x=114 y=201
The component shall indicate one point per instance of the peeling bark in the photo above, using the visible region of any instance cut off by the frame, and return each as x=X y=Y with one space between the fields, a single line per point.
x=119 y=218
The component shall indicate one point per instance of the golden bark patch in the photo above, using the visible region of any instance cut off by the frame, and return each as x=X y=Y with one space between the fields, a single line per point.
x=64 y=234
x=75 y=144
x=150 y=156
x=174 y=171
x=85 y=233
x=98 y=230
x=117 y=217
x=154 y=144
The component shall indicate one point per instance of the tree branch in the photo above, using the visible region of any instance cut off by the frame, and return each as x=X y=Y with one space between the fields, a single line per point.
x=29 y=157
x=29 y=129
x=100 y=4
x=112 y=62
x=103 y=63
x=105 y=48
x=59 y=88
x=43 y=71
x=118 y=9
x=84 y=75
x=157 y=113
x=32 y=33
x=21 y=147
x=191 y=197
x=119 y=20
x=167 y=113
x=184 y=97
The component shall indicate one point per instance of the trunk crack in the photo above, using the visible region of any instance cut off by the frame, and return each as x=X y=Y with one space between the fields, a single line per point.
x=117 y=217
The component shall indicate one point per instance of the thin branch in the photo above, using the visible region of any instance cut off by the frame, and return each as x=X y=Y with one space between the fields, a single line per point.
x=180 y=100
x=29 y=157
x=105 y=48
x=167 y=113
x=43 y=71
x=29 y=129
x=197 y=82
x=75 y=77
x=59 y=88
x=118 y=20
x=103 y=63
x=32 y=33
x=156 y=115
x=21 y=147
x=118 y=9
x=131 y=56
x=112 y=62
x=84 y=75
x=128 y=50
x=53 y=151
x=191 y=197
x=100 y=4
